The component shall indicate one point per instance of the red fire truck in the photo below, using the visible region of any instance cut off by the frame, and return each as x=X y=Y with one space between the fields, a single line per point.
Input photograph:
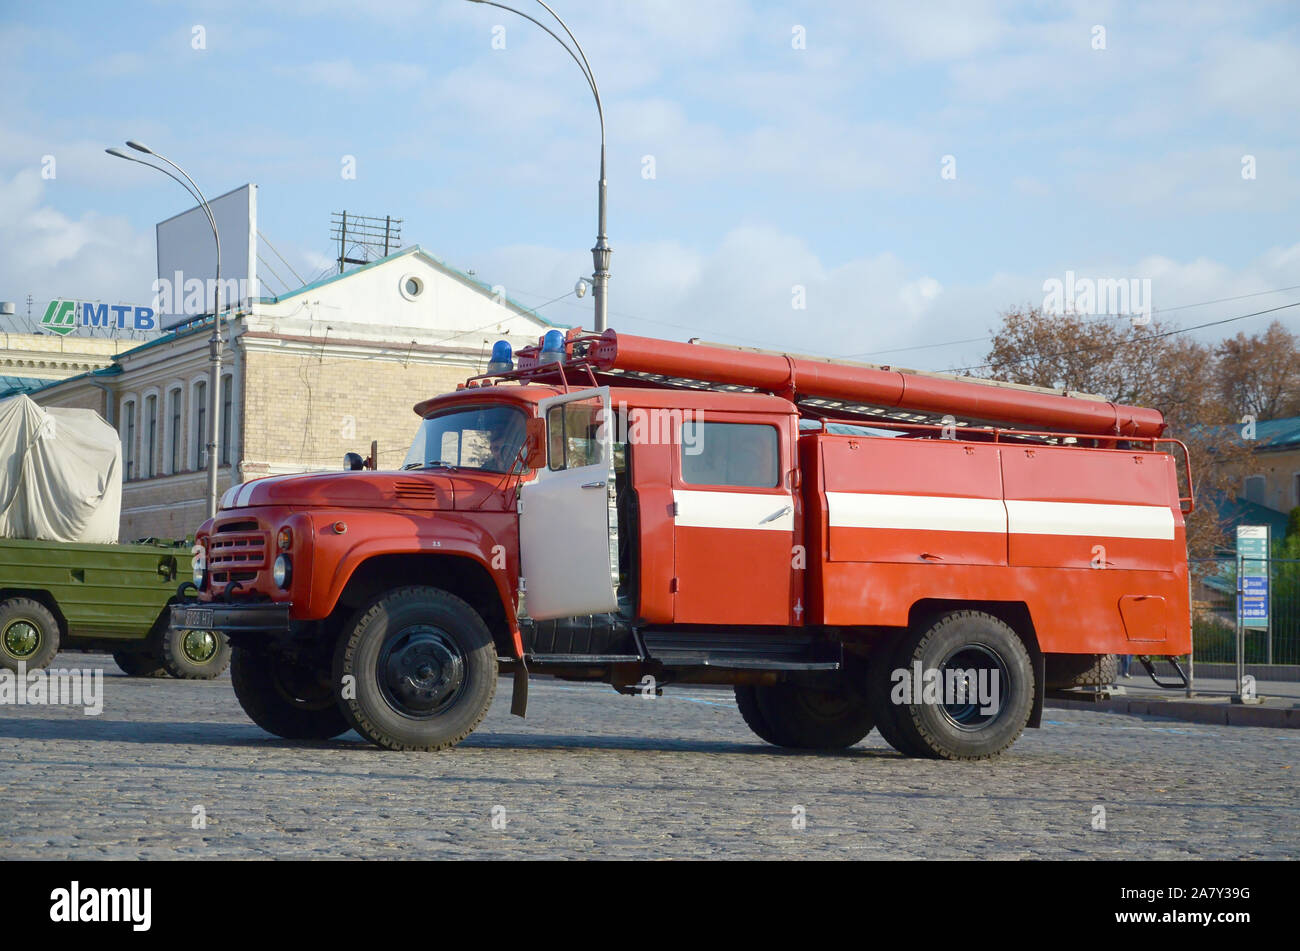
x=850 y=546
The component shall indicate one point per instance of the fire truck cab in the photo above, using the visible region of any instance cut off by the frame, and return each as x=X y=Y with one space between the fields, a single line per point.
x=850 y=547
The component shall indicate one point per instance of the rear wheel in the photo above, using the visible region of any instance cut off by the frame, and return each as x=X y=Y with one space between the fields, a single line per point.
x=194 y=655
x=29 y=634
x=977 y=687
x=290 y=699
x=882 y=676
x=423 y=669
x=139 y=664
x=804 y=717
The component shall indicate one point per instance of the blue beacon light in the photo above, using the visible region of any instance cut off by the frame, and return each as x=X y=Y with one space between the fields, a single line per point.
x=502 y=360
x=553 y=347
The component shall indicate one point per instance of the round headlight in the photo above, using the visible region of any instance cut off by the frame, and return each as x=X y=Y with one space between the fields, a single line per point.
x=280 y=571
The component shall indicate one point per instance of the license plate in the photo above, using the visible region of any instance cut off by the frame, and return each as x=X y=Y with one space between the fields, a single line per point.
x=198 y=617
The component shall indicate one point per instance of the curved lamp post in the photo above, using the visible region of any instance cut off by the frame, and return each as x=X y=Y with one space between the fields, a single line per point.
x=600 y=254
x=214 y=342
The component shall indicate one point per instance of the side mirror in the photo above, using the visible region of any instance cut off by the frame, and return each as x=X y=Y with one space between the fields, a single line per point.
x=535 y=444
x=352 y=462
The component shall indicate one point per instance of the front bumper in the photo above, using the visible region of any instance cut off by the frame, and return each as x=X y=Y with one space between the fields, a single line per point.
x=269 y=617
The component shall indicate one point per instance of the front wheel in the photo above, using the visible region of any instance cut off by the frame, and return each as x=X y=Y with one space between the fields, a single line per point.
x=289 y=698
x=418 y=669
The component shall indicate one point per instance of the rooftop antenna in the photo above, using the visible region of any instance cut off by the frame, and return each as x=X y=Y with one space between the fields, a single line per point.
x=368 y=233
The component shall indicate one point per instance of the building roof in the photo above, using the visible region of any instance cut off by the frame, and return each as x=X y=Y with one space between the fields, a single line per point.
x=1278 y=433
x=414 y=249
x=13 y=385
x=1239 y=511
x=1270 y=434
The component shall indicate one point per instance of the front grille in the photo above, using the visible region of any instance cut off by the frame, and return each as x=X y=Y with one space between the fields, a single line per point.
x=238 y=549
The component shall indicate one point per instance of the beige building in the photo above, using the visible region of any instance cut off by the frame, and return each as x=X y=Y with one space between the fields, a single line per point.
x=1275 y=483
x=306 y=377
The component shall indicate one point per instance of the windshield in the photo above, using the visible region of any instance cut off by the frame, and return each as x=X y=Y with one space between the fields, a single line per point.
x=485 y=438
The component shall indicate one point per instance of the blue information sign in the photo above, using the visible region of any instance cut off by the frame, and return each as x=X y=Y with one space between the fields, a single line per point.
x=1252 y=598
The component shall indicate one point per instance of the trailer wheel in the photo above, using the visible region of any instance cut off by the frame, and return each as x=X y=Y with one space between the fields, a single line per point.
x=29 y=634
x=806 y=718
x=139 y=664
x=285 y=698
x=423 y=667
x=953 y=726
x=1080 y=670
x=194 y=655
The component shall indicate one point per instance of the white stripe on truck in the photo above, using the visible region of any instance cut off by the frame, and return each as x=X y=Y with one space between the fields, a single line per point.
x=945 y=513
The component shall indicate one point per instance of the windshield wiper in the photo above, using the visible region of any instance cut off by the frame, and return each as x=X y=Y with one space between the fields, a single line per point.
x=436 y=464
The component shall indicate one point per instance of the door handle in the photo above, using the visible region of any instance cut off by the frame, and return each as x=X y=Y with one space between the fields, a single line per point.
x=593 y=485
x=775 y=515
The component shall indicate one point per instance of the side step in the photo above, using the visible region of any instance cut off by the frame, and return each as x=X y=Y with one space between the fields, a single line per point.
x=741 y=650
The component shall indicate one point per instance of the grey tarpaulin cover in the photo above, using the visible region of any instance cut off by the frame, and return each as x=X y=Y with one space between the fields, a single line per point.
x=61 y=473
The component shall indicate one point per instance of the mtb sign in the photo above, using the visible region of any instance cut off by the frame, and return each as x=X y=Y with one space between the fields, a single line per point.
x=65 y=317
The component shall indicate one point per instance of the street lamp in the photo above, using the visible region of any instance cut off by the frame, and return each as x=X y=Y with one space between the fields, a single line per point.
x=214 y=342
x=601 y=252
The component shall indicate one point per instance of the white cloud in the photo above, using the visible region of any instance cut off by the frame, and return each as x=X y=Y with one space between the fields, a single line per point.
x=49 y=254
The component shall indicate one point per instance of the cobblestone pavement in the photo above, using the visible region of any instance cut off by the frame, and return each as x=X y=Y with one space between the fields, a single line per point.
x=594 y=774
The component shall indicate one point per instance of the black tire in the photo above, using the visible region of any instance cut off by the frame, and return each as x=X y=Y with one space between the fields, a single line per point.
x=755 y=719
x=139 y=664
x=194 y=655
x=886 y=657
x=29 y=634
x=1080 y=670
x=808 y=718
x=423 y=670
x=284 y=698
x=967 y=731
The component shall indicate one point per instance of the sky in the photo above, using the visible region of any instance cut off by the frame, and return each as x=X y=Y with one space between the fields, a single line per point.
x=874 y=180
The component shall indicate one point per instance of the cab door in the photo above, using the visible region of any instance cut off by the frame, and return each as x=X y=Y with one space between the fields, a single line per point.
x=567 y=546
x=734 y=520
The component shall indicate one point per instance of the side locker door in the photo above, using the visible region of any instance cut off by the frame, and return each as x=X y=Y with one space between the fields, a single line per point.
x=564 y=518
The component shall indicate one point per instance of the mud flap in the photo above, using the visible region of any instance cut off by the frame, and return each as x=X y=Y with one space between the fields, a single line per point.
x=1040 y=689
x=519 y=693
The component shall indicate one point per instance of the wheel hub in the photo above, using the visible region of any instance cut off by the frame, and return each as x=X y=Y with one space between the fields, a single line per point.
x=421 y=671
x=21 y=638
x=199 y=647
x=985 y=677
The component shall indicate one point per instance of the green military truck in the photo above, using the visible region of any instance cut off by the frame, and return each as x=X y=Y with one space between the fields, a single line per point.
x=113 y=598
x=65 y=582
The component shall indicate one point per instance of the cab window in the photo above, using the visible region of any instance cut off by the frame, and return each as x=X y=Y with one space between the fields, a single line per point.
x=731 y=454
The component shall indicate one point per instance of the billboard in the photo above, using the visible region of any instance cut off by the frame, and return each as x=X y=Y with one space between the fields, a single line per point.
x=187 y=257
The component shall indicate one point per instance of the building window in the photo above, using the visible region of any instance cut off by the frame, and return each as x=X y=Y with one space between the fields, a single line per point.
x=200 y=425
x=1253 y=489
x=227 y=411
x=177 y=447
x=128 y=432
x=151 y=435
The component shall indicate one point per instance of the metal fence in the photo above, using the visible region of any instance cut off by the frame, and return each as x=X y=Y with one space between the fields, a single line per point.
x=1214 y=615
